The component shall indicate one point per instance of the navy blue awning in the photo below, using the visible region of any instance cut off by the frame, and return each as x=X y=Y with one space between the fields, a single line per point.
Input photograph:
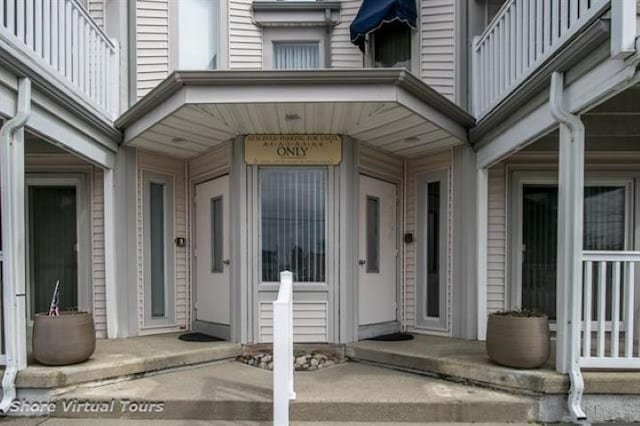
x=375 y=13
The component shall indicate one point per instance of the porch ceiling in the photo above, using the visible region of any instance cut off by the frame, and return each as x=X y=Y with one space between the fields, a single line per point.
x=190 y=112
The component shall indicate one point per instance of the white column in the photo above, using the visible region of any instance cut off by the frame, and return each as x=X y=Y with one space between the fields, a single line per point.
x=12 y=188
x=570 y=223
x=113 y=328
x=482 y=241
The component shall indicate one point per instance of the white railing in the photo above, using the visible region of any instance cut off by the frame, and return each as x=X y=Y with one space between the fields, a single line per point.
x=283 y=366
x=3 y=356
x=61 y=36
x=521 y=37
x=609 y=330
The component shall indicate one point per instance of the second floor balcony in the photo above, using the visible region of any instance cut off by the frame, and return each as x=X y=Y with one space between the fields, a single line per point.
x=520 y=39
x=59 y=39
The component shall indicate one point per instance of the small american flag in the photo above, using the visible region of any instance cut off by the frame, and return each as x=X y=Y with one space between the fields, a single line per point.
x=54 y=309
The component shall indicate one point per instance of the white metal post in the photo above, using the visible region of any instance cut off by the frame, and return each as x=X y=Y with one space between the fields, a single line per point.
x=113 y=329
x=283 y=350
x=482 y=241
x=570 y=224
x=14 y=241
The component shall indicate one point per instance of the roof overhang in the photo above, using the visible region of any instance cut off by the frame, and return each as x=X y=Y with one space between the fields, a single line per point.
x=192 y=111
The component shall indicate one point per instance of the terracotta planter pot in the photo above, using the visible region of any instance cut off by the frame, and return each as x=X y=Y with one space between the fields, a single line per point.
x=518 y=342
x=66 y=339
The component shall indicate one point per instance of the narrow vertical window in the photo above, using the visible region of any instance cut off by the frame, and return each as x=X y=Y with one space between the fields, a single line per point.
x=433 y=249
x=198 y=36
x=373 y=234
x=216 y=235
x=157 y=248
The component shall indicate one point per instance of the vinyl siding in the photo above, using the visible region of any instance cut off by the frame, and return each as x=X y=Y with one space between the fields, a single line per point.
x=97 y=254
x=437 y=61
x=176 y=168
x=310 y=321
x=96 y=11
x=344 y=54
x=152 y=44
x=431 y=163
x=497 y=243
x=380 y=163
x=245 y=38
x=212 y=161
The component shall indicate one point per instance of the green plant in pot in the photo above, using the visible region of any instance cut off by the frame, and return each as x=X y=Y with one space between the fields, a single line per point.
x=63 y=337
x=518 y=338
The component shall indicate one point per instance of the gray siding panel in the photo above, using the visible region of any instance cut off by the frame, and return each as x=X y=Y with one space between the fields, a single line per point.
x=245 y=38
x=437 y=62
x=343 y=53
x=152 y=44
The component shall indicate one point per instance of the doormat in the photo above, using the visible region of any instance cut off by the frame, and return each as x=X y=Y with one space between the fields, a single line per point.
x=198 y=337
x=393 y=337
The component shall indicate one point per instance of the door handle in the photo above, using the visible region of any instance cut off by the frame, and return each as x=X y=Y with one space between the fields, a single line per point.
x=361 y=262
x=227 y=262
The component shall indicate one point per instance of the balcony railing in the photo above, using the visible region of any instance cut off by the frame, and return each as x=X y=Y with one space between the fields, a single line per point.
x=520 y=38
x=609 y=336
x=60 y=36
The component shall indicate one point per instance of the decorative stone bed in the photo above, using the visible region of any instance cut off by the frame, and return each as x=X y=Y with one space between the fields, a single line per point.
x=305 y=358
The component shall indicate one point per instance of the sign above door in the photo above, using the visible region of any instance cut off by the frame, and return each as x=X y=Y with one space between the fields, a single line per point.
x=293 y=150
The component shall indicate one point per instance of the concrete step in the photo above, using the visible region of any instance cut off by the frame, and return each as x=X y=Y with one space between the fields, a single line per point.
x=349 y=392
x=117 y=359
x=467 y=361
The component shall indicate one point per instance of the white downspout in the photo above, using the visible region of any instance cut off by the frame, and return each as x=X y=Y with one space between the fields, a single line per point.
x=12 y=196
x=572 y=173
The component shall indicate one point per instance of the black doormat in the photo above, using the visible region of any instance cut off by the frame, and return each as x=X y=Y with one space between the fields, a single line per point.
x=198 y=337
x=393 y=337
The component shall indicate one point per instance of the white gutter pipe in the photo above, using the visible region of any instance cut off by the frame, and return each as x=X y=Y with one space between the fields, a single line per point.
x=571 y=177
x=13 y=265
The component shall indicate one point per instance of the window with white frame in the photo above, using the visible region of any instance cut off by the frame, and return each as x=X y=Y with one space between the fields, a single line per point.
x=432 y=250
x=296 y=55
x=158 y=272
x=198 y=34
x=294 y=48
x=293 y=222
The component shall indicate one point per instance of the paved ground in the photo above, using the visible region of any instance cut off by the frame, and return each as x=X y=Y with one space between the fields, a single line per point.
x=122 y=357
x=107 y=422
x=347 y=392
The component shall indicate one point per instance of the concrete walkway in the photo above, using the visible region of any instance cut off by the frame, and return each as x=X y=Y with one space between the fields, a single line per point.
x=116 y=358
x=467 y=360
x=348 y=393
x=112 y=422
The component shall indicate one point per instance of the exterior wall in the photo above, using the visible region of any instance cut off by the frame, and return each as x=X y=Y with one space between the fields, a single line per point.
x=497 y=239
x=65 y=163
x=176 y=168
x=96 y=10
x=210 y=163
x=438 y=45
x=97 y=253
x=245 y=38
x=498 y=251
x=415 y=167
x=152 y=44
x=344 y=54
